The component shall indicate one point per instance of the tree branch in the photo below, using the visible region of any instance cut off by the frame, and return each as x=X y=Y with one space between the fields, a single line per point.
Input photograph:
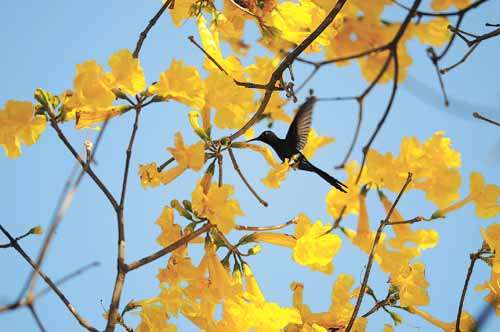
x=285 y=63
x=245 y=181
x=52 y=285
x=150 y=25
x=473 y=258
x=120 y=261
x=265 y=228
x=479 y=116
x=162 y=252
x=383 y=223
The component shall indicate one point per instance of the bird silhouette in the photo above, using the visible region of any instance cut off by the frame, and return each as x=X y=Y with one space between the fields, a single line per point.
x=296 y=138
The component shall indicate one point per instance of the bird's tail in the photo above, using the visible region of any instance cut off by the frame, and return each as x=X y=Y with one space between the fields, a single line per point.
x=330 y=179
x=307 y=166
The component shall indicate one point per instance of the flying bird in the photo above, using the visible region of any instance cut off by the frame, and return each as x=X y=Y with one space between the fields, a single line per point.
x=296 y=138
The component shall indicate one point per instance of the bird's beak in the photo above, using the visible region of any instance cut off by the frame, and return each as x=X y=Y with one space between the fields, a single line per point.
x=253 y=139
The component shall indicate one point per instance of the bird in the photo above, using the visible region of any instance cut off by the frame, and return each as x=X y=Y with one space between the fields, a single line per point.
x=296 y=138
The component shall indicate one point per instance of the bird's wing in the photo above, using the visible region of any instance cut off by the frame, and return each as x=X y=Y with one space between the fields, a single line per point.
x=301 y=125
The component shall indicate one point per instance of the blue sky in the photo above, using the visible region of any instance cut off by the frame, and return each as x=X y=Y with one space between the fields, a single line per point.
x=43 y=42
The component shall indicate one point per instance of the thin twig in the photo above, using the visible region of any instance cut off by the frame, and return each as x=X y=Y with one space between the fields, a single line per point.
x=160 y=253
x=372 y=254
x=68 y=277
x=87 y=168
x=29 y=299
x=452 y=39
x=36 y=318
x=150 y=25
x=165 y=164
x=265 y=228
x=245 y=181
x=381 y=122
x=307 y=79
x=434 y=59
x=8 y=245
x=443 y=14
x=64 y=202
x=52 y=285
x=410 y=221
x=219 y=163
x=473 y=258
x=459 y=62
x=356 y=135
x=481 y=117
x=219 y=66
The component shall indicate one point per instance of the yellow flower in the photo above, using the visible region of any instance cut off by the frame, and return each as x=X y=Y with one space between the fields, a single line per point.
x=153 y=319
x=444 y=4
x=86 y=116
x=179 y=268
x=314 y=142
x=265 y=152
x=180 y=11
x=435 y=32
x=337 y=316
x=276 y=175
x=170 y=232
x=342 y=294
x=337 y=201
x=192 y=157
x=181 y=83
x=216 y=206
x=412 y=285
x=233 y=103
x=231 y=28
x=485 y=196
x=260 y=72
x=493 y=286
x=221 y=284
x=467 y=323
x=149 y=175
x=251 y=312
x=492 y=237
x=434 y=165
x=18 y=125
x=278 y=239
x=422 y=238
x=126 y=72
x=315 y=247
x=193 y=121
x=295 y=21
x=91 y=87
x=211 y=44
x=382 y=170
x=187 y=157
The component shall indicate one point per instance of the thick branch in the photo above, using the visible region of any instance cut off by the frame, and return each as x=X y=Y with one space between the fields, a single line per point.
x=285 y=63
x=120 y=261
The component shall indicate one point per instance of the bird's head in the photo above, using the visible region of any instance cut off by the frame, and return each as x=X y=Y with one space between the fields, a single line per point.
x=266 y=137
